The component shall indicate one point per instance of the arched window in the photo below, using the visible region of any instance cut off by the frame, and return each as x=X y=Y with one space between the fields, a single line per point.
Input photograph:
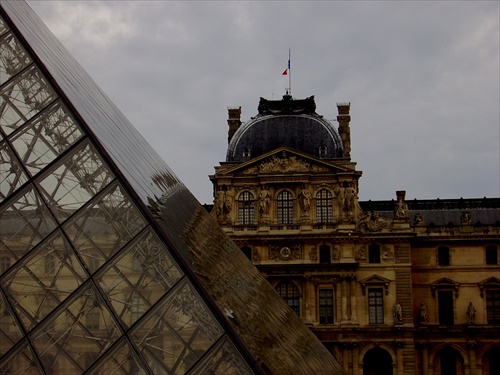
x=324 y=204
x=449 y=361
x=285 y=207
x=491 y=362
x=246 y=208
x=378 y=362
x=290 y=293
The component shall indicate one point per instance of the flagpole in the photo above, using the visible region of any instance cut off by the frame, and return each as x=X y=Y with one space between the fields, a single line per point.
x=289 y=73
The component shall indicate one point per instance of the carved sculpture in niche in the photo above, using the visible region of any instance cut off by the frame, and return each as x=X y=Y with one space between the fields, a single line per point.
x=305 y=203
x=471 y=313
x=465 y=218
x=336 y=254
x=361 y=255
x=264 y=204
x=423 y=313
x=387 y=254
x=397 y=313
x=223 y=204
x=347 y=200
x=371 y=221
x=291 y=164
x=419 y=219
x=285 y=252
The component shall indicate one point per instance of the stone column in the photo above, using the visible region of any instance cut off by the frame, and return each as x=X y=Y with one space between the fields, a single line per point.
x=344 y=301
x=354 y=317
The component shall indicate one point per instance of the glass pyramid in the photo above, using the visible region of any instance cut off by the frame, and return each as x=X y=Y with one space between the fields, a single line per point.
x=107 y=263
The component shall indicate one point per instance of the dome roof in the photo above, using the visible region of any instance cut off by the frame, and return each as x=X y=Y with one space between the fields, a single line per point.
x=286 y=122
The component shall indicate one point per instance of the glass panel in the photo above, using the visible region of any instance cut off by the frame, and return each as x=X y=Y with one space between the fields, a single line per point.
x=223 y=359
x=46 y=137
x=46 y=278
x=3 y=26
x=10 y=332
x=13 y=57
x=76 y=180
x=12 y=175
x=105 y=226
x=140 y=277
x=64 y=339
x=121 y=360
x=177 y=332
x=20 y=361
x=24 y=224
x=22 y=98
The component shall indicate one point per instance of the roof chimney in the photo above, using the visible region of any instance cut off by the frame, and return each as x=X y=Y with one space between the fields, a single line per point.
x=233 y=121
x=345 y=132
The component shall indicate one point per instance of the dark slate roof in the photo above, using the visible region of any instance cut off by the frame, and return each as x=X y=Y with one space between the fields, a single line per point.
x=440 y=212
x=287 y=122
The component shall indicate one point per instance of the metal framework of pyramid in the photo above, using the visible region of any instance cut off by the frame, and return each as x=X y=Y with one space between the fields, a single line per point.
x=107 y=263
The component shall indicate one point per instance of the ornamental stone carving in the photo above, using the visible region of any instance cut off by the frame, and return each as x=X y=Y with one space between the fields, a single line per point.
x=372 y=221
x=285 y=164
x=401 y=211
x=387 y=254
x=336 y=254
x=465 y=218
x=285 y=253
x=347 y=200
x=223 y=204
x=419 y=219
x=313 y=254
x=361 y=255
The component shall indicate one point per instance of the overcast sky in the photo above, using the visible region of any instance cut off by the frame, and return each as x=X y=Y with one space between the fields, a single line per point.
x=422 y=78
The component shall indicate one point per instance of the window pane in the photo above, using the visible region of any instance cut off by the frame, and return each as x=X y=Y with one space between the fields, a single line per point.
x=493 y=306
x=12 y=175
x=376 y=306
x=13 y=57
x=285 y=207
x=374 y=253
x=22 y=98
x=445 y=307
x=491 y=255
x=326 y=306
x=324 y=206
x=246 y=208
x=290 y=293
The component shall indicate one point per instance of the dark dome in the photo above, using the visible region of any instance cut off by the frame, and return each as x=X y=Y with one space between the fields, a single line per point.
x=287 y=122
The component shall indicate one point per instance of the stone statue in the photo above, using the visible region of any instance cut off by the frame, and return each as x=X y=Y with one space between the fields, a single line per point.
x=397 y=313
x=305 y=200
x=401 y=212
x=264 y=201
x=471 y=313
x=419 y=218
x=423 y=313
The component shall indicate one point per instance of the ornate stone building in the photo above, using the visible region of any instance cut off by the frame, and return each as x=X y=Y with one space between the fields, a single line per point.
x=389 y=287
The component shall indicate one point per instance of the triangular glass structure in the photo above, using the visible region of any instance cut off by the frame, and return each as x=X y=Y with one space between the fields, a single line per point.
x=107 y=263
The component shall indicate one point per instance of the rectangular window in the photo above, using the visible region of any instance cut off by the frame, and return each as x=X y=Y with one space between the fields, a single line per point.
x=493 y=306
x=445 y=301
x=326 y=306
x=325 y=254
x=491 y=255
x=376 y=306
x=444 y=256
x=374 y=254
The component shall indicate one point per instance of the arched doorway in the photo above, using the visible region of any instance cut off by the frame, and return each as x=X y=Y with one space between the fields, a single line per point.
x=377 y=362
x=491 y=362
x=449 y=362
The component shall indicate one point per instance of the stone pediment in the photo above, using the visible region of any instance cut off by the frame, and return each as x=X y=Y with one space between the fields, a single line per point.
x=285 y=161
x=445 y=283
x=375 y=280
